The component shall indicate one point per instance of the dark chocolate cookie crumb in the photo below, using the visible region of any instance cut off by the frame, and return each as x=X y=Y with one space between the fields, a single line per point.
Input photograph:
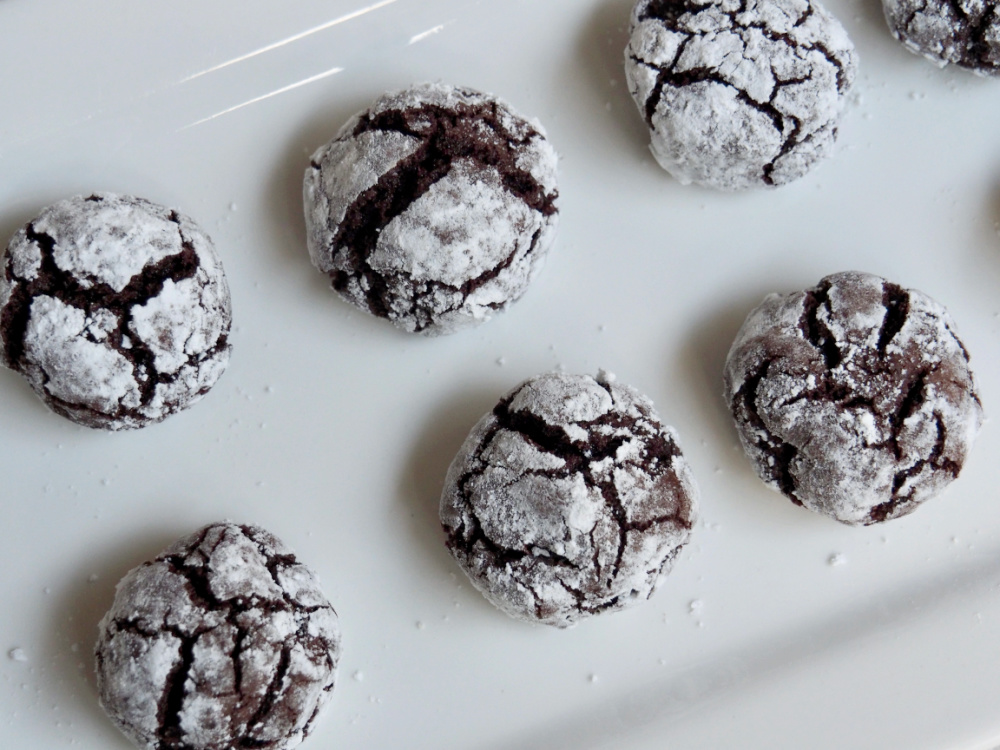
x=223 y=641
x=960 y=32
x=434 y=208
x=853 y=398
x=115 y=310
x=738 y=93
x=569 y=499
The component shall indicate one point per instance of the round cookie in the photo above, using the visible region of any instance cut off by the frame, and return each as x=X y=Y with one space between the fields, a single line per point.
x=569 y=499
x=963 y=32
x=853 y=398
x=115 y=310
x=434 y=208
x=738 y=94
x=223 y=641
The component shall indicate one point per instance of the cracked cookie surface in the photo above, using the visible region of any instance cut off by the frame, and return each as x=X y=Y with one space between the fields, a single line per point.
x=962 y=32
x=738 y=93
x=434 y=208
x=569 y=499
x=115 y=310
x=853 y=398
x=223 y=641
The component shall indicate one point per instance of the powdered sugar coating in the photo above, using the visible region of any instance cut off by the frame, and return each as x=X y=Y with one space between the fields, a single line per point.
x=434 y=208
x=224 y=640
x=738 y=93
x=854 y=398
x=570 y=498
x=962 y=32
x=115 y=310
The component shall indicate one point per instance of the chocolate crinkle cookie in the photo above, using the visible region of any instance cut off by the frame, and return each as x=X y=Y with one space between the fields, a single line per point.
x=115 y=310
x=434 y=208
x=223 y=641
x=569 y=499
x=963 y=32
x=853 y=398
x=738 y=93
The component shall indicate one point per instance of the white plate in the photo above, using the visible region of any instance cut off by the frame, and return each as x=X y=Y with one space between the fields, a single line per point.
x=334 y=430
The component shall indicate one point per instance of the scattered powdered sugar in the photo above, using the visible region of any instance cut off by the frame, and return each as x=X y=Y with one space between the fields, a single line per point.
x=570 y=498
x=434 y=208
x=738 y=94
x=854 y=398
x=223 y=640
x=17 y=654
x=115 y=310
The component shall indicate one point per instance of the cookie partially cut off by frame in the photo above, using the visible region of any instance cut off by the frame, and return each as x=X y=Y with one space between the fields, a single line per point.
x=115 y=310
x=739 y=93
x=434 y=208
x=570 y=498
x=965 y=33
x=853 y=398
x=223 y=641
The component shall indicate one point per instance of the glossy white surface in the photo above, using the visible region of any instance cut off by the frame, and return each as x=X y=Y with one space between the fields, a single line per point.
x=334 y=430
